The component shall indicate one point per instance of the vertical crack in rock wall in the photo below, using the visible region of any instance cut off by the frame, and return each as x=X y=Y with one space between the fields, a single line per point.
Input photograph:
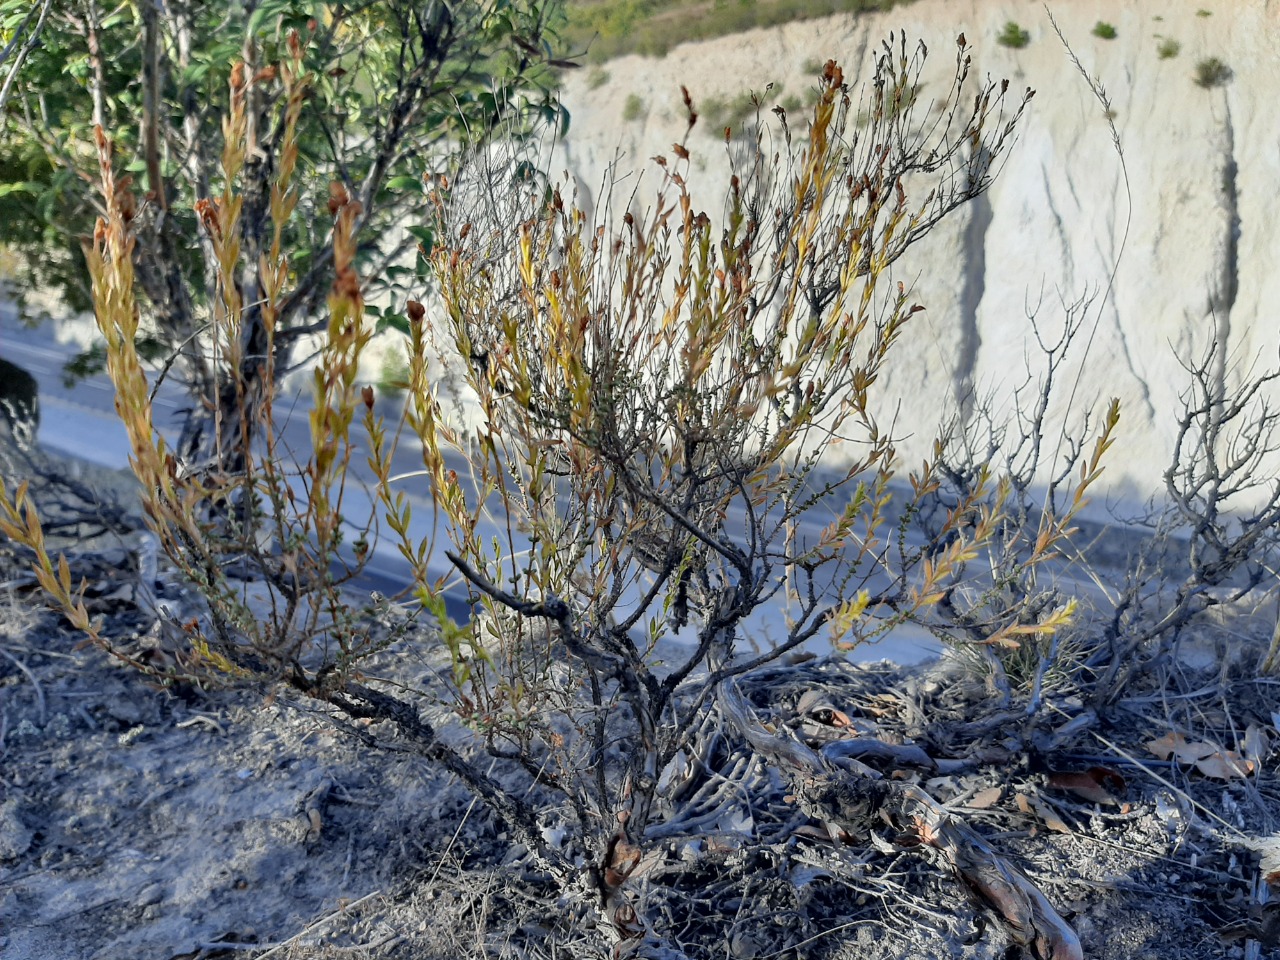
x=1228 y=284
x=974 y=285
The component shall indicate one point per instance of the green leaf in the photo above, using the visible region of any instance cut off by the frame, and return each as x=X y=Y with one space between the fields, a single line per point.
x=389 y=321
x=426 y=239
x=557 y=116
x=405 y=183
x=265 y=10
x=115 y=19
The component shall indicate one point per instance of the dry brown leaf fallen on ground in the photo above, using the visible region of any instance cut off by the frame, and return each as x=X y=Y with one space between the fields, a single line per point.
x=1096 y=785
x=1174 y=745
x=1034 y=806
x=984 y=798
x=817 y=708
x=1224 y=765
x=1209 y=758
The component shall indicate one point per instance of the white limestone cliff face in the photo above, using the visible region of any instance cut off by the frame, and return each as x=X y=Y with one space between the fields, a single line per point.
x=1201 y=206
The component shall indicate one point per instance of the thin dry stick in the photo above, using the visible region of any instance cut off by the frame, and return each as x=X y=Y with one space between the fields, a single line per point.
x=319 y=923
x=453 y=839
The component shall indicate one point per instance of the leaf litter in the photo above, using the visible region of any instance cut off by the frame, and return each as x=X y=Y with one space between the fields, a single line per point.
x=136 y=821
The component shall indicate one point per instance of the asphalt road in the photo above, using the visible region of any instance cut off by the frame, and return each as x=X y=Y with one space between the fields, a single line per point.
x=80 y=421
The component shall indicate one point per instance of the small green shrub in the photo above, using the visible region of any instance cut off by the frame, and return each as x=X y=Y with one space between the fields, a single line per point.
x=597 y=78
x=1104 y=30
x=635 y=109
x=1013 y=36
x=732 y=111
x=1203 y=13
x=1168 y=48
x=1211 y=72
x=393 y=374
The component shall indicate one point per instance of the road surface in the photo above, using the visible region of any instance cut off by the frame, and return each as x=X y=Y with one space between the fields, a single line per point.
x=80 y=421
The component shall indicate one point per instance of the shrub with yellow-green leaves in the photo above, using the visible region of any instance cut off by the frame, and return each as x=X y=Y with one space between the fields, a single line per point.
x=657 y=394
x=249 y=503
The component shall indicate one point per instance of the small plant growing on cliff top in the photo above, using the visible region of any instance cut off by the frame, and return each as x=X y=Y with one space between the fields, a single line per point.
x=733 y=112
x=1211 y=72
x=1168 y=48
x=634 y=109
x=1013 y=36
x=1104 y=30
x=393 y=373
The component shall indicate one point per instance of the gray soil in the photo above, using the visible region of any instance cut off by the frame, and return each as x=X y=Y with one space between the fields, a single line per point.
x=143 y=822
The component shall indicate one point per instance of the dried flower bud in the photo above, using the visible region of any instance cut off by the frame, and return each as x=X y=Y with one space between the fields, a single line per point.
x=208 y=215
x=366 y=394
x=295 y=42
x=265 y=75
x=237 y=76
x=346 y=285
x=416 y=311
x=338 y=197
x=125 y=199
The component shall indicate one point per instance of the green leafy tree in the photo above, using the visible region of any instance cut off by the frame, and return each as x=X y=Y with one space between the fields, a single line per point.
x=395 y=88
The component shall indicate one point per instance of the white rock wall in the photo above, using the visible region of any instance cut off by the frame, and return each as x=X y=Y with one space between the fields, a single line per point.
x=1201 y=205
